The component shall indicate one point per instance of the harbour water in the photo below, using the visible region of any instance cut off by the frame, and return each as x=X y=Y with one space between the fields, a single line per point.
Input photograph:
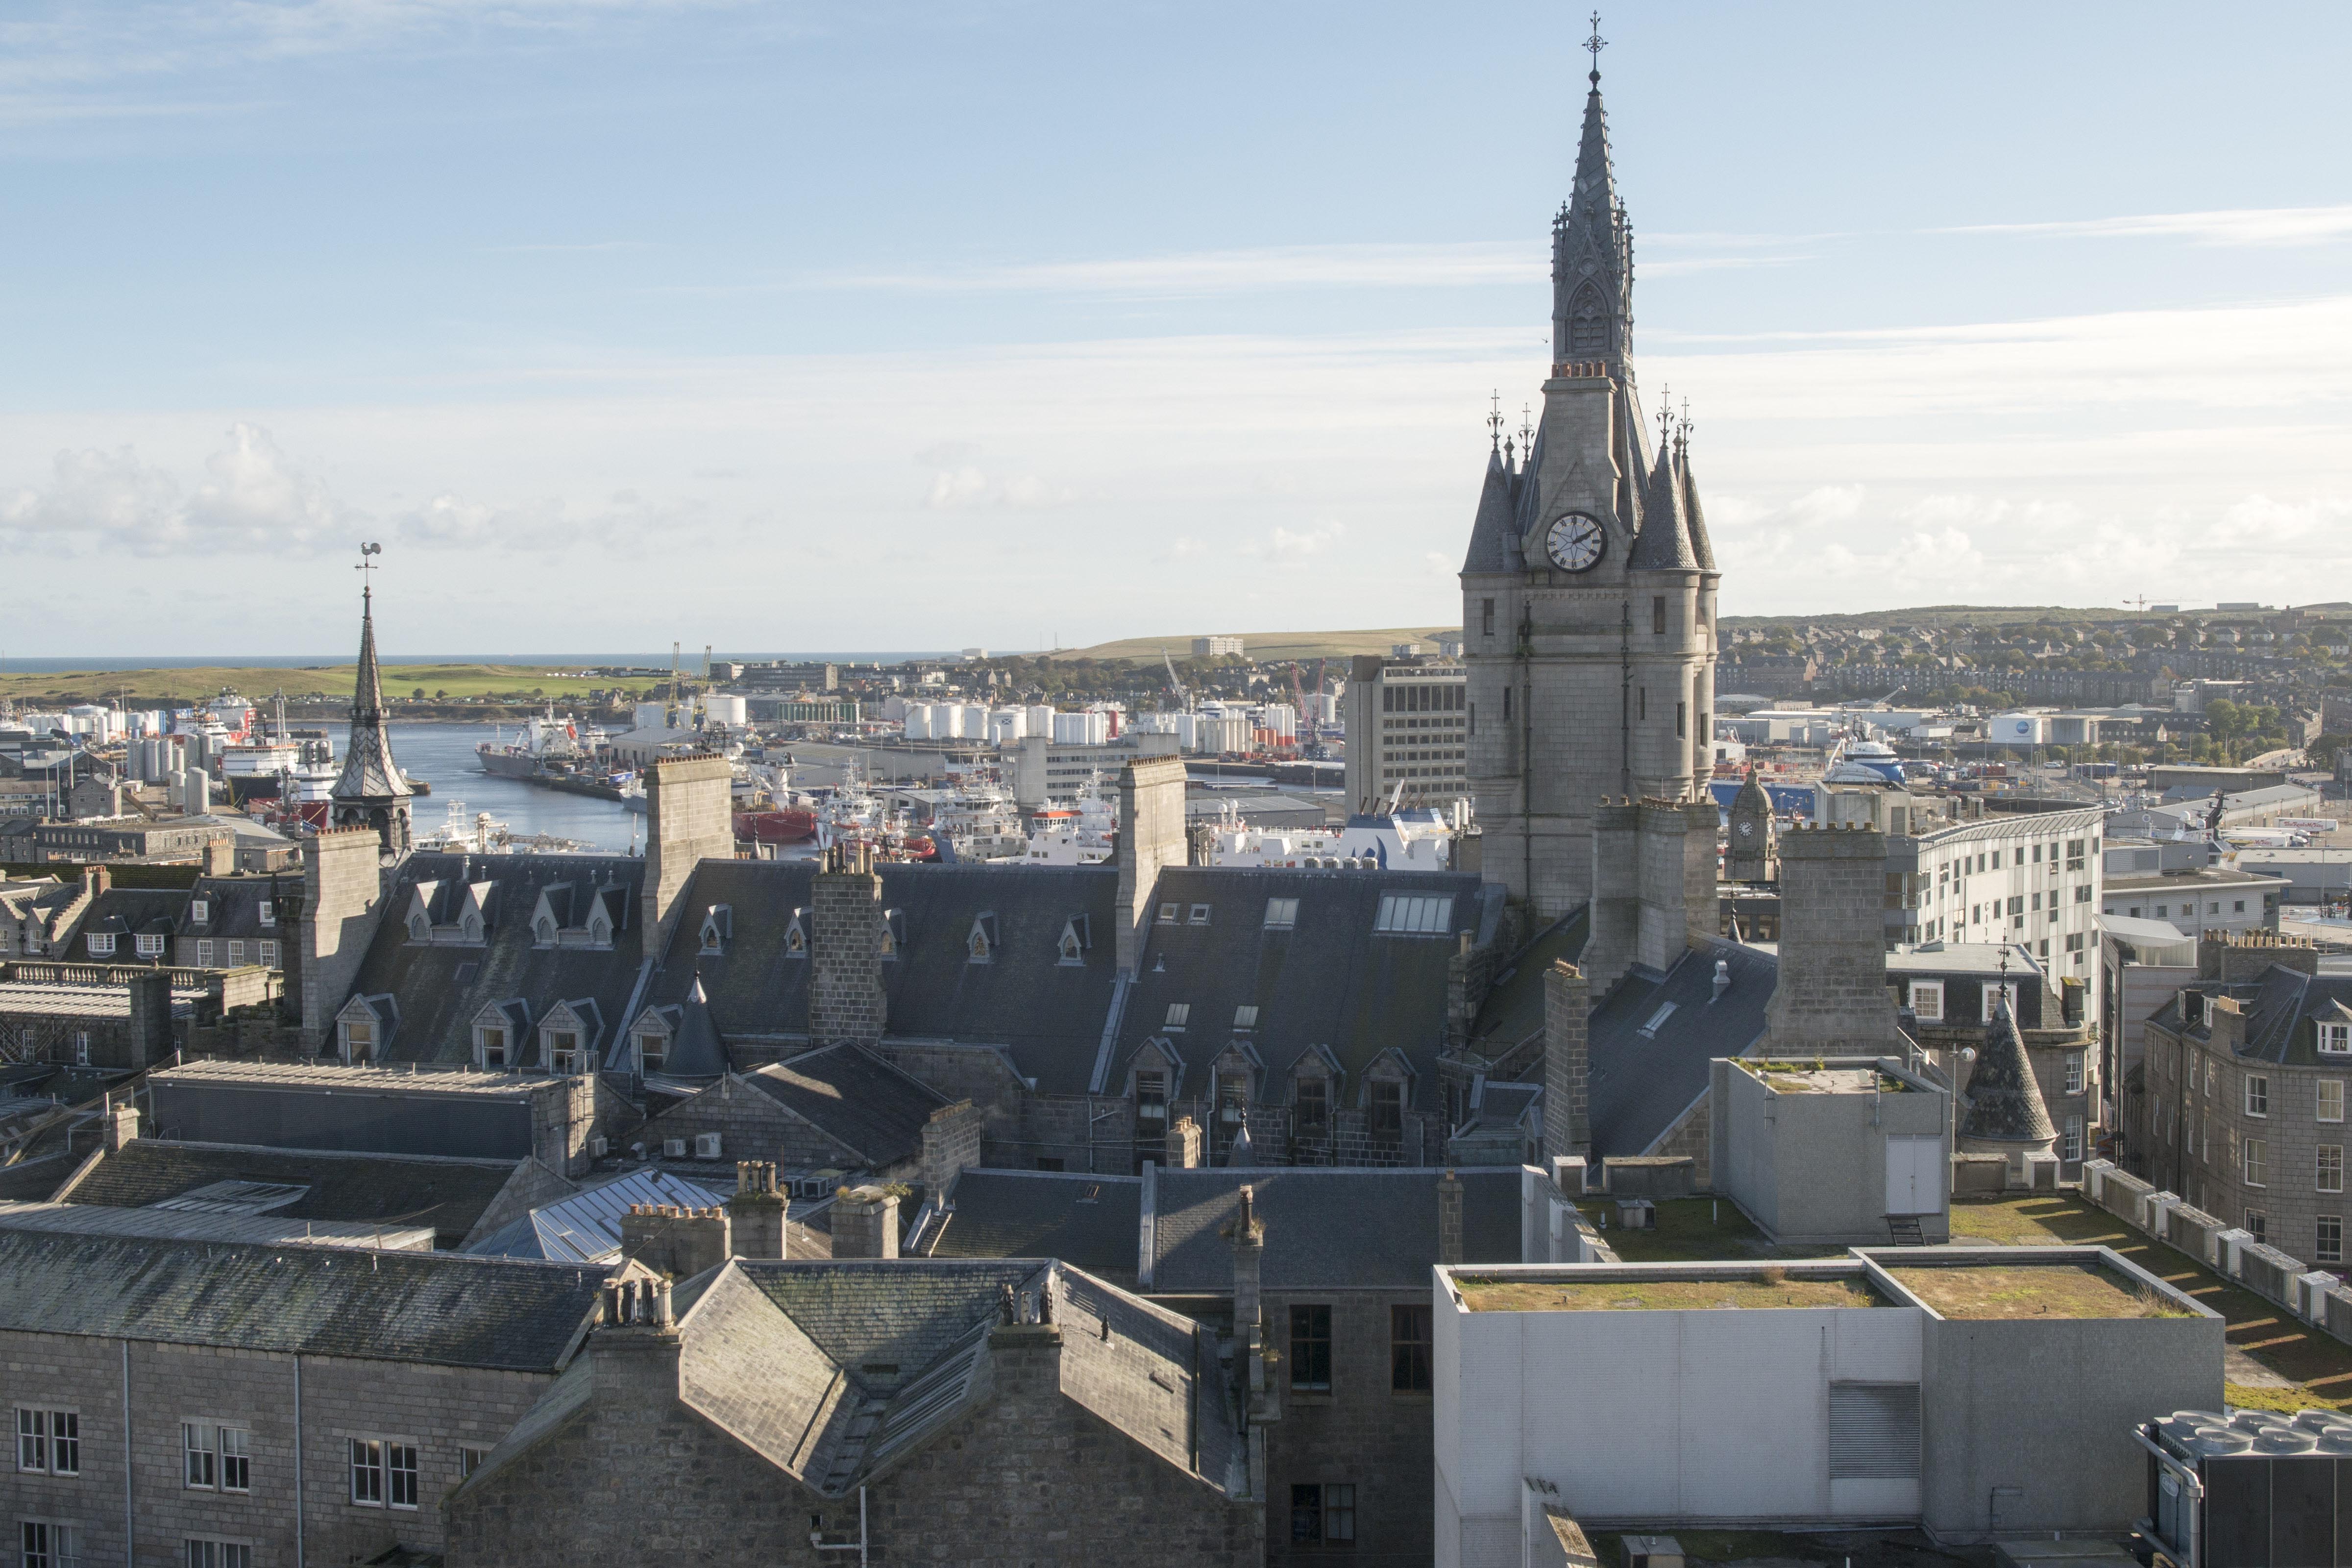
x=443 y=756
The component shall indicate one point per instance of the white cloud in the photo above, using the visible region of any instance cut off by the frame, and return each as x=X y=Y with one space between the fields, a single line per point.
x=970 y=487
x=1297 y=544
x=252 y=497
x=2235 y=227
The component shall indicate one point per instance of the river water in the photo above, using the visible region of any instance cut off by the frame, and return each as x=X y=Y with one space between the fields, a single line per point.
x=443 y=756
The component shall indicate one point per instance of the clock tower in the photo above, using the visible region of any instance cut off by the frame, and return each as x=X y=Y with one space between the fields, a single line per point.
x=1588 y=592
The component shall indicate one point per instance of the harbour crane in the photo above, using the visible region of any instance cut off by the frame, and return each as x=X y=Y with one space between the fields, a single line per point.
x=1183 y=696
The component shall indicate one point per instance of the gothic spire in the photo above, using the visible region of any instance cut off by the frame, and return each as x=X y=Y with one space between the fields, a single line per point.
x=370 y=792
x=1592 y=253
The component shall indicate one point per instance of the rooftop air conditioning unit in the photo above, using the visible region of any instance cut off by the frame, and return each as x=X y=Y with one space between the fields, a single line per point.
x=596 y=1147
x=706 y=1145
x=673 y=1147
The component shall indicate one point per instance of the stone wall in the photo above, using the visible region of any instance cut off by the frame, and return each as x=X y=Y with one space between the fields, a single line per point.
x=342 y=904
x=439 y=1410
x=846 y=1002
x=751 y=1126
x=1567 y=1119
x=1362 y=1432
x=689 y=817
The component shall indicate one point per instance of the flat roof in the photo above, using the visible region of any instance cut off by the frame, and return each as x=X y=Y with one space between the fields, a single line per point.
x=1672 y=1289
x=2191 y=877
x=176 y=1224
x=2022 y=1290
x=1803 y=1078
x=1961 y=958
x=82 y=1001
x=328 y=1079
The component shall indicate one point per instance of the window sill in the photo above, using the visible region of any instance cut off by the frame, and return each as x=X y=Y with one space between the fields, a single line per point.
x=1311 y=1396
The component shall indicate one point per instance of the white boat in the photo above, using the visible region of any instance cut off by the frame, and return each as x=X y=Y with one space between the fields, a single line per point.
x=1085 y=833
x=1416 y=839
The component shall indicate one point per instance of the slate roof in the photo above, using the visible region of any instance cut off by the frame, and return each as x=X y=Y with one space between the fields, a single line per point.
x=173 y=1225
x=1089 y=1221
x=2004 y=1103
x=694 y=1050
x=445 y=1194
x=1495 y=523
x=438 y=1307
x=1327 y=1227
x=1329 y=980
x=1043 y=1011
x=854 y=1096
x=1642 y=1084
x=1513 y=1010
x=2283 y=1009
x=440 y=989
x=123 y=913
x=232 y=907
x=1664 y=542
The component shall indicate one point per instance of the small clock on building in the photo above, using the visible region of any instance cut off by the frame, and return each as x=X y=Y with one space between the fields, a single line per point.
x=1747 y=830
x=1575 y=543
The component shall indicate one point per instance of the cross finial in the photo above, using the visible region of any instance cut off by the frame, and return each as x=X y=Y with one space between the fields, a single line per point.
x=1495 y=419
x=1527 y=427
x=1665 y=413
x=1596 y=44
x=1683 y=429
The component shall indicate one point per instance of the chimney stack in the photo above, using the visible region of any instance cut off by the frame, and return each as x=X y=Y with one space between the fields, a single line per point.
x=683 y=1242
x=755 y=1214
x=1830 y=996
x=1568 y=1088
x=342 y=904
x=1185 y=1143
x=1616 y=917
x=846 y=1002
x=1150 y=838
x=220 y=856
x=96 y=879
x=689 y=818
x=122 y=1124
x=865 y=1223
x=1249 y=1252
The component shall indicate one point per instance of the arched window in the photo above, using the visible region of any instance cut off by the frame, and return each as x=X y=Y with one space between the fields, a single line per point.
x=1587 y=324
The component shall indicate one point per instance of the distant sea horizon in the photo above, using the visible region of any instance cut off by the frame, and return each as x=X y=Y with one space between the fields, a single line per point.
x=13 y=664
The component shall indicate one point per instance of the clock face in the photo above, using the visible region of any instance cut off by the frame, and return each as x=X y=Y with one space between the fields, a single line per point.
x=1575 y=543
x=1746 y=829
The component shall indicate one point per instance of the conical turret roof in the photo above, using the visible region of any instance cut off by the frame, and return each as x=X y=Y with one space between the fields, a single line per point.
x=1496 y=521
x=1702 y=551
x=1664 y=543
x=697 y=1052
x=2004 y=1102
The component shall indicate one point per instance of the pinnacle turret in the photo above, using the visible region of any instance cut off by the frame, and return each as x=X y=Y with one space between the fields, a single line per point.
x=370 y=791
x=1592 y=255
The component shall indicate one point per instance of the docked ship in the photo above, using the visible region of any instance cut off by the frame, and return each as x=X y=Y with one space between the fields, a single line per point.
x=1412 y=838
x=1083 y=834
x=561 y=754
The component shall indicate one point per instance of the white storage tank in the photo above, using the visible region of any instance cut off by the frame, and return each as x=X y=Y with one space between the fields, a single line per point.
x=727 y=709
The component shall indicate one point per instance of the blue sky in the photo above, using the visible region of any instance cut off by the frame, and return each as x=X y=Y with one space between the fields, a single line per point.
x=888 y=326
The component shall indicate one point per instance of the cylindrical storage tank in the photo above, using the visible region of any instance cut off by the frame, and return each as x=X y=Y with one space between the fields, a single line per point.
x=974 y=725
x=1041 y=720
x=197 y=792
x=919 y=720
x=649 y=716
x=727 y=709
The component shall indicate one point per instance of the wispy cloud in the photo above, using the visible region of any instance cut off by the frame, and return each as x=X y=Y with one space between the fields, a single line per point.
x=2236 y=227
x=252 y=496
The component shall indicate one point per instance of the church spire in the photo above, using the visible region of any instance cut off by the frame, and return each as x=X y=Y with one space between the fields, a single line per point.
x=1593 y=248
x=370 y=792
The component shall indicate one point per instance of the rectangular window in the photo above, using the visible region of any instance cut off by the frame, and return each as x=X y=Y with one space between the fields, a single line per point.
x=1312 y=1111
x=202 y=1553
x=2073 y=1072
x=1409 y=1349
x=1310 y=1348
x=1928 y=999
x=48 y=1545
x=198 y=1447
x=1486 y=617
x=1151 y=1102
x=2258 y=1225
x=2257 y=1095
x=1993 y=996
x=269 y=954
x=1415 y=915
x=2330 y=1097
x=471 y=1460
x=1642 y=704
x=1178 y=1012
x=235 y=953
x=2335 y=1039
x=1168 y=914
x=2330 y=1238
x=268 y=912
x=49 y=1441
x=200 y=911
x=149 y=946
x=2257 y=1161
x=1323 y=1515
x=1657 y=614
x=1388 y=1109
x=1199 y=915
x=204 y=953
x=367 y=1472
x=2328 y=1170
x=235 y=1460
x=1244 y=1020
x=400 y=1463
x=2072 y=1147
x=1281 y=914
x=101 y=944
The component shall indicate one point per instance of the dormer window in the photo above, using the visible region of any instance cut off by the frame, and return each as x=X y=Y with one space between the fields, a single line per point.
x=894 y=933
x=542 y=930
x=600 y=928
x=420 y=926
x=200 y=911
x=101 y=944
x=564 y=1055
x=1151 y=1103
x=267 y=912
x=490 y=1041
x=980 y=943
x=1073 y=944
x=796 y=938
x=1178 y=1012
x=717 y=926
x=149 y=946
x=1927 y=1000
x=652 y=1050
x=359 y=1039
x=1312 y=1111
x=2335 y=1039
x=472 y=926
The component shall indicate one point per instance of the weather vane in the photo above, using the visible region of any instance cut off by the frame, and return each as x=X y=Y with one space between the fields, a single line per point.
x=366 y=568
x=1596 y=44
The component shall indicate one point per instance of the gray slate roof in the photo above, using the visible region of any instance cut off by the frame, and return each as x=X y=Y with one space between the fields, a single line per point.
x=1089 y=1221
x=2283 y=1009
x=1327 y=1227
x=439 y=1308
x=444 y=1195
x=2004 y=1100
x=854 y=1096
x=1643 y=1083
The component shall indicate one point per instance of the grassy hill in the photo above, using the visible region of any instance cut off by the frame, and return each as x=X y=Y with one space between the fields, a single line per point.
x=332 y=682
x=1265 y=645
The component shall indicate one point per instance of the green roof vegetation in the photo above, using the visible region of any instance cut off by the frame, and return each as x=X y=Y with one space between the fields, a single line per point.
x=2026 y=1290
x=1765 y=1287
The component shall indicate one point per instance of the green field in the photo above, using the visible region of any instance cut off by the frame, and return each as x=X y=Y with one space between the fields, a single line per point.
x=330 y=682
x=1265 y=644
